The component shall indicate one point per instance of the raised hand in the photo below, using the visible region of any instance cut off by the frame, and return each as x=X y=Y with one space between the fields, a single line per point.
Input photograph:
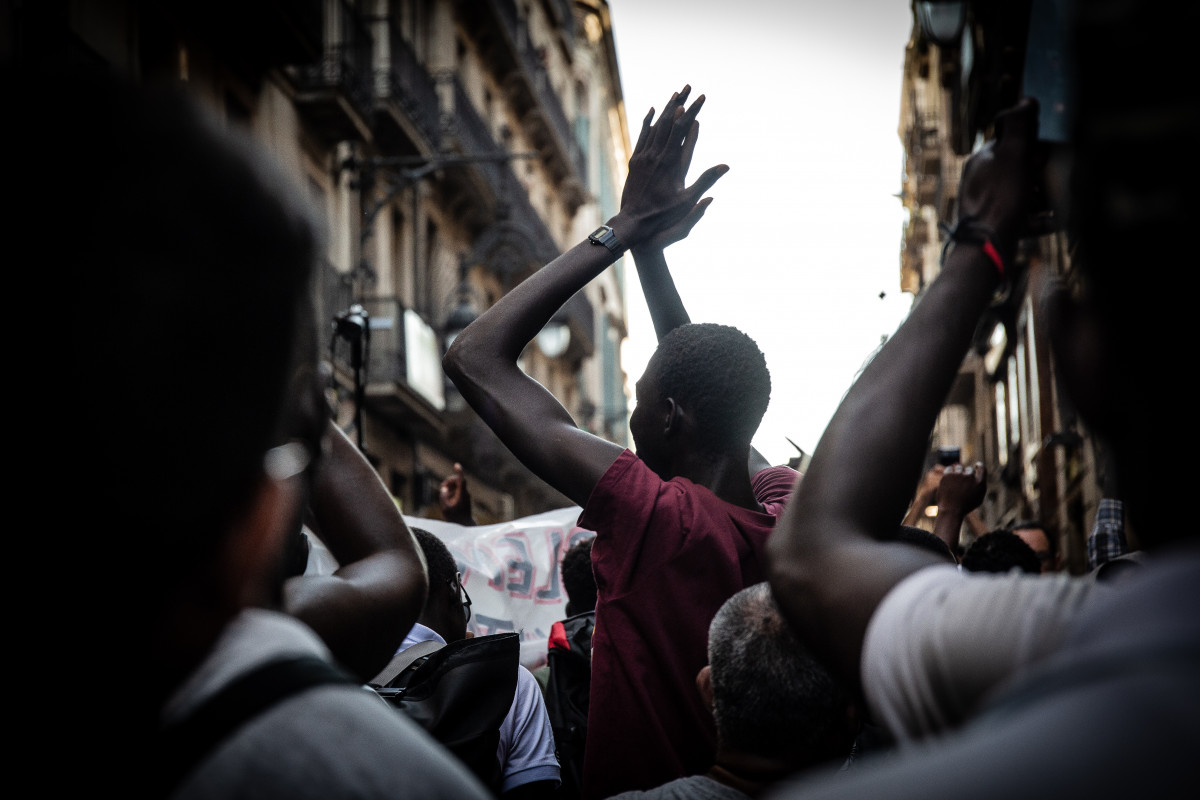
x=655 y=198
x=454 y=498
x=998 y=180
x=962 y=488
x=960 y=492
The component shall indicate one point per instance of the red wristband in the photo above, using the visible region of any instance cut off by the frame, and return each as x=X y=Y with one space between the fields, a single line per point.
x=990 y=251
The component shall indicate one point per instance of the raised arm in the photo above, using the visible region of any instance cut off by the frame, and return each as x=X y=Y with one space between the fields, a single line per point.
x=927 y=492
x=666 y=307
x=960 y=492
x=364 y=609
x=829 y=565
x=482 y=362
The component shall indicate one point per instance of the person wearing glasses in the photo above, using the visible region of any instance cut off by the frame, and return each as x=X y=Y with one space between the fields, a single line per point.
x=528 y=765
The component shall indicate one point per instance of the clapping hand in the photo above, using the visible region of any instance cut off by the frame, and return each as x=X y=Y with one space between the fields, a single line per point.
x=655 y=204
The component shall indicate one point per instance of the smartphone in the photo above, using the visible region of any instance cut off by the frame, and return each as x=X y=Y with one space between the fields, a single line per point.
x=949 y=455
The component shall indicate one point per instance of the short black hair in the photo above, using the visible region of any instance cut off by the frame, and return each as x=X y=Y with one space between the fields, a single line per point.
x=1033 y=524
x=1000 y=551
x=720 y=376
x=579 y=582
x=438 y=559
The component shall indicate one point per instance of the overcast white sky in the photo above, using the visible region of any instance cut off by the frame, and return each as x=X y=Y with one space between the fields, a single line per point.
x=802 y=102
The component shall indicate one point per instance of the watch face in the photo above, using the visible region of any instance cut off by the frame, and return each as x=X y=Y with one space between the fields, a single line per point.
x=601 y=233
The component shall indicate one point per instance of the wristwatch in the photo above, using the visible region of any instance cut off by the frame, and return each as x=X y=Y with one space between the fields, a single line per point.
x=606 y=236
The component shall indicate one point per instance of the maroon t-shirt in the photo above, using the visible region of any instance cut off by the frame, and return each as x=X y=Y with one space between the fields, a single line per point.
x=667 y=554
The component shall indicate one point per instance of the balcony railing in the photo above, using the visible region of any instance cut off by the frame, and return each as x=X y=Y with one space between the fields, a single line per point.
x=474 y=137
x=534 y=72
x=409 y=86
x=344 y=70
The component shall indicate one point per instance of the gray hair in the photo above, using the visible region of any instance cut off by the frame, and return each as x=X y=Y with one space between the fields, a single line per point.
x=771 y=697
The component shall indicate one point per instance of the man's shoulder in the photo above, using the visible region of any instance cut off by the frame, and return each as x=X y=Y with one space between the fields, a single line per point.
x=333 y=740
x=773 y=486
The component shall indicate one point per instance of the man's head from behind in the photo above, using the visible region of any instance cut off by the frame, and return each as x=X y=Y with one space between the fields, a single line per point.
x=579 y=582
x=1000 y=551
x=447 y=604
x=1039 y=539
x=770 y=697
x=712 y=376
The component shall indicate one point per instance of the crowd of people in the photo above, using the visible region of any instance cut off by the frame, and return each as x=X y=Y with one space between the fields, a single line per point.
x=754 y=632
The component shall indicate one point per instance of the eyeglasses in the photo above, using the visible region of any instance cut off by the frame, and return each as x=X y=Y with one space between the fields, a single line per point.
x=466 y=598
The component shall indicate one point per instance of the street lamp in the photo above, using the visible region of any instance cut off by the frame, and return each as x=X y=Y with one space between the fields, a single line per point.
x=554 y=339
x=353 y=325
x=942 y=21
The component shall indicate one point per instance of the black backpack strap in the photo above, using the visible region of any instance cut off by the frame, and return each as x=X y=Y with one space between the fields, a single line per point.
x=461 y=695
x=182 y=745
x=401 y=661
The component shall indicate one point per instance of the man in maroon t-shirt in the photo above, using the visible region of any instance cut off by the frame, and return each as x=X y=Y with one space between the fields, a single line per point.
x=680 y=527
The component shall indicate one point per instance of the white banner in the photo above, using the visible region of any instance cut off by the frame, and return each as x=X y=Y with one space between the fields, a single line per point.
x=511 y=572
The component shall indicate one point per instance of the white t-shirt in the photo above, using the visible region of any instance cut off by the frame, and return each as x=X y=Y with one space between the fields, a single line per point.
x=943 y=639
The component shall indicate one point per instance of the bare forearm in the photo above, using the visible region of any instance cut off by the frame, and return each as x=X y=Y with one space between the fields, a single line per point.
x=828 y=563
x=948 y=527
x=876 y=441
x=365 y=608
x=503 y=331
x=356 y=514
x=662 y=298
x=526 y=417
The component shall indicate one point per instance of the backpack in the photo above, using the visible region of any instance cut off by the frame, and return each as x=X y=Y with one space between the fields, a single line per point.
x=567 y=689
x=460 y=693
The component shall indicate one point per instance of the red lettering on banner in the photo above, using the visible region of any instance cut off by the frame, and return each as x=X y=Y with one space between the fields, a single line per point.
x=487 y=562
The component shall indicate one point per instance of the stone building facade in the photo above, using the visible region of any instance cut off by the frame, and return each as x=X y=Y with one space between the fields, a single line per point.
x=455 y=146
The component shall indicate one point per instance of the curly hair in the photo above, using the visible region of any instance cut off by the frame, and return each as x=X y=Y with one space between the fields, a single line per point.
x=442 y=566
x=720 y=376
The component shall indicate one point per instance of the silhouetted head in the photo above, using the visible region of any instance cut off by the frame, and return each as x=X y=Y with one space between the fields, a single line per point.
x=704 y=390
x=1000 y=551
x=447 y=604
x=1045 y=546
x=579 y=581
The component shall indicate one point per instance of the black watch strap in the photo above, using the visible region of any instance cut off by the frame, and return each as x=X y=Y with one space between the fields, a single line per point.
x=608 y=237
